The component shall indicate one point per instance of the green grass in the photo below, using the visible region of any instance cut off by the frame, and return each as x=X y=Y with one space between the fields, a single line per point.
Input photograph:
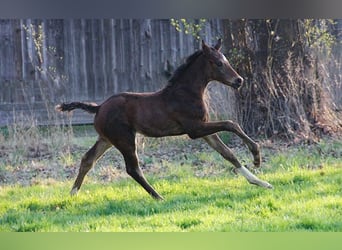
x=201 y=192
x=302 y=200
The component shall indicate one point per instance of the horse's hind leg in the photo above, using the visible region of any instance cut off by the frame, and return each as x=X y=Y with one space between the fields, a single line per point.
x=215 y=142
x=125 y=143
x=88 y=161
x=133 y=169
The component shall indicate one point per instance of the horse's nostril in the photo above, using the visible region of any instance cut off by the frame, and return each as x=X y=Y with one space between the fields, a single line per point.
x=239 y=80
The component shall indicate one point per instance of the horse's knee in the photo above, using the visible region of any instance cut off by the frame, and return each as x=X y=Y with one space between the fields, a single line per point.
x=233 y=126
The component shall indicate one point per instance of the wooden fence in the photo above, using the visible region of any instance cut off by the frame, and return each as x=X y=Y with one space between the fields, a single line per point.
x=44 y=62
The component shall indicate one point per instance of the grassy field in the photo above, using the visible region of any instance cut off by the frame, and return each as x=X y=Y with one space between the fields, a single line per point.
x=201 y=192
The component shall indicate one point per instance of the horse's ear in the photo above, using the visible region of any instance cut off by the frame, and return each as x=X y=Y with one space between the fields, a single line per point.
x=205 y=48
x=219 y=44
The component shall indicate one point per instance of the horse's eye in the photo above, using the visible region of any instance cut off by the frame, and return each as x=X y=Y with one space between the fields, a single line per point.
x=219 y=64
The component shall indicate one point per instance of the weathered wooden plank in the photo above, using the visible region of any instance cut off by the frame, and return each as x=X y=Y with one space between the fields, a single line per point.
x=85 y=60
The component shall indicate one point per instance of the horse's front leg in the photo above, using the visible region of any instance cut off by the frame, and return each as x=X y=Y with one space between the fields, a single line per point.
x=215 y=142
x=200 y=129
x=251 y=144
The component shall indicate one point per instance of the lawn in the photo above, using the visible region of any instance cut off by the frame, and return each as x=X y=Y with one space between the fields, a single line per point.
x=201 y=193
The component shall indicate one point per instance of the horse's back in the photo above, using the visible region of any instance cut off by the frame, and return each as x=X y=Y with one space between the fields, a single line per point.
x=146 y=113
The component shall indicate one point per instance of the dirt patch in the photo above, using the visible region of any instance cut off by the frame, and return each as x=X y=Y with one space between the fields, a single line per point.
x=43 y=165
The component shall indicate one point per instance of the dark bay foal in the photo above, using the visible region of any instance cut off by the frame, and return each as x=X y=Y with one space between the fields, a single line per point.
x=174 y=110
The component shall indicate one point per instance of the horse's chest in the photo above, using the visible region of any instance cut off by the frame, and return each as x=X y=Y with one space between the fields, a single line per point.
x=199 y=111
x=183 y=104
x=195 y=110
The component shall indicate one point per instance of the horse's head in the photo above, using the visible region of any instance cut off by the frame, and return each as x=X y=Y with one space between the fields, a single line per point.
x=220 y=69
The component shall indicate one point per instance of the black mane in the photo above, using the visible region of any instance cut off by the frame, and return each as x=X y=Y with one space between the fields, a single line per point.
x=180 y=70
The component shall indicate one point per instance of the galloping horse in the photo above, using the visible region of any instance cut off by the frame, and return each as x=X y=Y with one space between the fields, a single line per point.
x=176 y=109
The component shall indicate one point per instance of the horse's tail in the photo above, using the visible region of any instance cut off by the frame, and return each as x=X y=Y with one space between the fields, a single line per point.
x=89 y=107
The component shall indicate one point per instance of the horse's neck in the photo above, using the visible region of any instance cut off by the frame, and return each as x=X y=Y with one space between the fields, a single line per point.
x=193 y=81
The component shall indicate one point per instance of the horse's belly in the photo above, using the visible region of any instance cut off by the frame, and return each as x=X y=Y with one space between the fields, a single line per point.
x=154 y=128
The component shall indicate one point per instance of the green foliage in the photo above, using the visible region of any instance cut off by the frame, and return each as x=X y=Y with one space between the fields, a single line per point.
x=188 y=26
x=237 y=56
x=317 y=34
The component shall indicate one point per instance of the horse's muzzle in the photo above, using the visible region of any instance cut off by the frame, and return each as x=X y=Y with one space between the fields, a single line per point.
x=237 y=83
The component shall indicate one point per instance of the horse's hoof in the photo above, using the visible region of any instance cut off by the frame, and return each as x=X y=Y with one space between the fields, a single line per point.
x=158 y=197
x=267 y=185
x=74 y=191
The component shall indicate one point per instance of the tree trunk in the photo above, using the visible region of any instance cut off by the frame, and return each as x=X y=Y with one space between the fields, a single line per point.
x=283 y=94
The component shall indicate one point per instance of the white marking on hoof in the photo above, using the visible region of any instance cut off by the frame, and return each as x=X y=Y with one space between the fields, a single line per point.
x=251 y=178
x=74 y=191
x=265 y=184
